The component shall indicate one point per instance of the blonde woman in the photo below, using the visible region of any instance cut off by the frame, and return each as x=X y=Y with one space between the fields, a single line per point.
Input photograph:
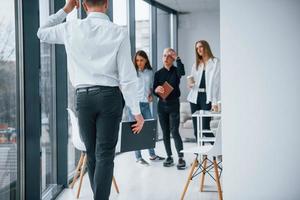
x=205 y=84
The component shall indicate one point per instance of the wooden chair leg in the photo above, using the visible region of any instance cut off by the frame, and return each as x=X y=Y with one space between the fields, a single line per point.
x=115 y=184
x=195 y=163
x=218 y=179
x=203 y=173
x=81 y=175
x=77 y=171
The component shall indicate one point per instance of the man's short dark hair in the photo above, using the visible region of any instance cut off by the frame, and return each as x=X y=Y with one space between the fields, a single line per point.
x=96 y=2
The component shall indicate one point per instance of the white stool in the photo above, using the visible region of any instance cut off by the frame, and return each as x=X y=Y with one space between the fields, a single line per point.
x=206 y=151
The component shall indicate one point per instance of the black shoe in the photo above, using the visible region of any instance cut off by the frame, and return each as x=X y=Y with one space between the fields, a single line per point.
x=169 y=162
x=181 y=164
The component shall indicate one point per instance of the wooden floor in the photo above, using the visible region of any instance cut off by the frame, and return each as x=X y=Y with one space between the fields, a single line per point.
x=154 y=182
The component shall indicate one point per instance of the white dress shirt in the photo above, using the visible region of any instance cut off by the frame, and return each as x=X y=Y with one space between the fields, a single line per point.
x=145 y=82
x=98 y=52
x=212 y=82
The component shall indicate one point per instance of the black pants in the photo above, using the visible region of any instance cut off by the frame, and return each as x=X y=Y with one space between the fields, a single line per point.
x=169 y=118
x=201 y=105
x=99 y=114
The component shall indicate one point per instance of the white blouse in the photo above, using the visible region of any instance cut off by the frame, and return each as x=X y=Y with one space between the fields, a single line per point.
x=145 y=83
x=212 y=81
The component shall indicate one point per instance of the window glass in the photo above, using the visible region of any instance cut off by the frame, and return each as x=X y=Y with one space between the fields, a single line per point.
x=8 y=103
x=47 y=94
x=142 y=26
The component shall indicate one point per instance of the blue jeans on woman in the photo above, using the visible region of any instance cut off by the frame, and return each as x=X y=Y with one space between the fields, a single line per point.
x=146 y=112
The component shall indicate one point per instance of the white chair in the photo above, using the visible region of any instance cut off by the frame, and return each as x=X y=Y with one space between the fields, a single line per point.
x=206 y=152
x=78 y=144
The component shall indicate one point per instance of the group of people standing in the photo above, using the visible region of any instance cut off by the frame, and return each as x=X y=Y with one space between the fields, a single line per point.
x=204 y=84
x=150 y=84
x=101 y=70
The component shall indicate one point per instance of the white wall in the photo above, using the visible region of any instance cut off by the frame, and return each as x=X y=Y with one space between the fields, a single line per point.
x=202 y=25
x=260 y=49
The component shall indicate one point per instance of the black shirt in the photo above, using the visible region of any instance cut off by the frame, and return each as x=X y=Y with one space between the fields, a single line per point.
x=172 y=76
x=202 y=83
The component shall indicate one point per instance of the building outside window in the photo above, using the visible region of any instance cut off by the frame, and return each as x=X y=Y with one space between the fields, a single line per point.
x=8 y=103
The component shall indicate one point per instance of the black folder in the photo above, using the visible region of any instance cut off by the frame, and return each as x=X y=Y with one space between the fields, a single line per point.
x=146 y=139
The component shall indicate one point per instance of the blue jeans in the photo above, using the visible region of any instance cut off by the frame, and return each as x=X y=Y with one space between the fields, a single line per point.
x=146 y=112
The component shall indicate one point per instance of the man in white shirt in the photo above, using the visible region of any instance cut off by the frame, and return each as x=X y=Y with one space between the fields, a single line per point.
x=99 y=63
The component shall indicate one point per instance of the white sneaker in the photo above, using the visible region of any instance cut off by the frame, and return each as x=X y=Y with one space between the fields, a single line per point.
x=142 y=162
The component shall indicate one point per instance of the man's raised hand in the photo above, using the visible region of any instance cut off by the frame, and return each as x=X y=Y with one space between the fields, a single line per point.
x=70 y=5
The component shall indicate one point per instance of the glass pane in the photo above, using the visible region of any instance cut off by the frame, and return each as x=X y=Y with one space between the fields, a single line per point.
x=163 y=41
x=142 y=26
x=71 y=104
x=120 y=17
x=120 y=12
x=142 y=29
x=47 y=93
x=8 y=103
x=163 y=34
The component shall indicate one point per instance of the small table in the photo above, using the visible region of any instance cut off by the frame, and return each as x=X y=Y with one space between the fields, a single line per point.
x=200 y=166
x=200 y=114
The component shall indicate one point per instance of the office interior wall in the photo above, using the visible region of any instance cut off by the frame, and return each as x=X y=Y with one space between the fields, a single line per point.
x=260 y=95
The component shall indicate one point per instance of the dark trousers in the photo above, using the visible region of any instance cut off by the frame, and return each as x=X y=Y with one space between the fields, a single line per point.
x=99 y=114
x=201 y=105
x=169 y=118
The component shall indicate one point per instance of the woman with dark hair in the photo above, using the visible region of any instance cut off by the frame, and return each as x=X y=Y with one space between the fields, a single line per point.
x=205 y=84
x=145 y=80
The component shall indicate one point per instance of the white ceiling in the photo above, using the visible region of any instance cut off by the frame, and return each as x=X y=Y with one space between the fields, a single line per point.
x=192 y=5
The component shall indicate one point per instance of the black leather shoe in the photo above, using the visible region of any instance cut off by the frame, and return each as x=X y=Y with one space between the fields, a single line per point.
x=181 y=164
x=169 y=162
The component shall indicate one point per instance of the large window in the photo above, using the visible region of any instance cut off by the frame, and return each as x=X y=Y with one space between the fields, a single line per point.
x=71 y=104
x=47 y=94
x=142 y=26
x=163 y=34
x=41 y=134
x=8 y=103
x=163 y=41
x=120 y=12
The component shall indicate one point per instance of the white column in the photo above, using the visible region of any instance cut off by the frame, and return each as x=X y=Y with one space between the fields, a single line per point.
x=260 y=51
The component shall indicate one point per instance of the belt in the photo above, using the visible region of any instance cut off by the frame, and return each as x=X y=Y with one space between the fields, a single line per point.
x=92 y=88
x=201 y=90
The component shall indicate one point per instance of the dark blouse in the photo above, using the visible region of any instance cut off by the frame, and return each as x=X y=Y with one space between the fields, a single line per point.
x=202 y=82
